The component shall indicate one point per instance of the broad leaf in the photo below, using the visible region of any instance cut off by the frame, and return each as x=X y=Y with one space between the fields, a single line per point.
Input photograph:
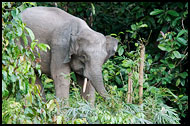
x=173 y=13
x=171 y=66
x=43 y=46
x=33 y=44
x=181 y=33
x=48 y=80
x=120 y=51
x=183 y=75
x=182 y=41
x=178 y=82
x=30 y=33
x=156 y=12
x=177 y=54
x=162 y=47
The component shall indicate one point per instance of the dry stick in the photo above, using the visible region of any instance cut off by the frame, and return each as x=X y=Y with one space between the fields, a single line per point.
x=129 y=88
x=182 y=24
x=131 y=98
x=141 y=66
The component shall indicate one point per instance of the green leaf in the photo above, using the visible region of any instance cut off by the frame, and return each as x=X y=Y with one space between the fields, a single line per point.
x=51 y=105
x=24 y=39
x=43 y=46
x=21 y=85
x=150 y=61
x=10 y=69
x=19 y=31
x=93 y=8
x=174 y=22
x=118 y=80
x=171 y=66
x=178 y=82
x=48 y=80
x=182 y=41
x=183 y=75
x=113 y=34
x=32 y=3
x=177 y=54
x=181 y=32
x=13 y=78
x=121 y=50
x=133 y=27
x=162 y=47
x=28 y=110
x=129 y=31
x=173 y=13
x=121 y=33
x=136 y=44
x=33 y=44
x=4 y=75
x=30 y=33
x=59 y=119
x=4 y=86
x=156 y=12
x=143 y=25
x=14 y=12
x=180 y=96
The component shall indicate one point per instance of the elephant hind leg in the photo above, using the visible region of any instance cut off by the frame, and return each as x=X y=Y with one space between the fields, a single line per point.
x=89 y=93
x=38 y=81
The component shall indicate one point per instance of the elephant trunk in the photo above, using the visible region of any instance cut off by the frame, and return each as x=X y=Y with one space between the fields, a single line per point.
x=95 y=76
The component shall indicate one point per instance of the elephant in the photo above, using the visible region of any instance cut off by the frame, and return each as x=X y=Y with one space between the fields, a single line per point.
x=74 y=47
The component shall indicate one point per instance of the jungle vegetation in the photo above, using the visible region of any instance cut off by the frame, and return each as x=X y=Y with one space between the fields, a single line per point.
x=160 y=26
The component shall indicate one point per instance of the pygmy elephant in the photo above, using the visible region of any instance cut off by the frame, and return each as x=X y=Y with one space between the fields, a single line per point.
x=74 y=47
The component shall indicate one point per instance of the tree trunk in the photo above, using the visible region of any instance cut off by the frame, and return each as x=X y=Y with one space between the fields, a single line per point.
x=141 y=66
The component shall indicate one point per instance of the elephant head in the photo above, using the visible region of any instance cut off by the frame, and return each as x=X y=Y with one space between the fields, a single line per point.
x=87 y=52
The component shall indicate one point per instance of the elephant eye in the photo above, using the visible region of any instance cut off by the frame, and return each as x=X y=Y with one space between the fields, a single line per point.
x=82 y=59
x=85 y=58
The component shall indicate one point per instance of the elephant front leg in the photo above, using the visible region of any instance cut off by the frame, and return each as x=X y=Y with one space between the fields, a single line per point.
x=62 y=82
x=89 y=93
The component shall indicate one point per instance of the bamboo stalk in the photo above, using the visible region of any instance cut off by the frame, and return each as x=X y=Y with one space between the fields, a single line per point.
x=141 y=66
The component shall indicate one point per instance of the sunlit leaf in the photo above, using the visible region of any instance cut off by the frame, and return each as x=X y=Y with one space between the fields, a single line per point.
x=48 y=80
x=43 y=46
x=121 y=50
x=156 y=12
x=33 y=44
x=59 y=119
x=30 y=33
x=162 y=47
x=178 y=82
x=177 y=54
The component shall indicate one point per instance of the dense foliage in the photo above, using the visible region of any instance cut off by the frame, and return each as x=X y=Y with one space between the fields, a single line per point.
x=162 y=27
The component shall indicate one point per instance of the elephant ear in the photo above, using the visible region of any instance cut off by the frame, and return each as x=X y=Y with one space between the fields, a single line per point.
x=111 y=46
x=73 y=44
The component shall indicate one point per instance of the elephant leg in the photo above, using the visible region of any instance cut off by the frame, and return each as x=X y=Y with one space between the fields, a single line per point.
x=38 y=81
x=89 y=93
x=62 y=82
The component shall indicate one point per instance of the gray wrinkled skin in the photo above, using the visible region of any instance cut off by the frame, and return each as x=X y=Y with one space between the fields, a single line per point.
x=74 y=47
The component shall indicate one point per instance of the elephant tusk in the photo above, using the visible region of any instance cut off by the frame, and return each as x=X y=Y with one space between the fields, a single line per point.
x=84 y=86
